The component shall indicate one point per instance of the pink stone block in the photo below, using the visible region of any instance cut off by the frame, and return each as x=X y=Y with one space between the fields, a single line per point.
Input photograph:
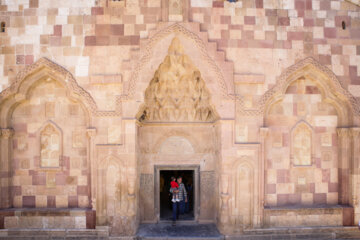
x=57 y=30
x=282 y=199
x=90 y=41
x=295 y=36
x=97 y=11
x=249 y=20
x=333 y=187
x=259 y=3
x=28 y=201
x=299 y=4
x=73 y=201
x=325 y=5
x=319 y=198
x=283 y=21
x=283 y=176
x=39 y=178
x=51 y=203
x=308 y=22
x=29 y=59
x=83 y=190
x=270 y=188
x=325 y=175
x=330 y=32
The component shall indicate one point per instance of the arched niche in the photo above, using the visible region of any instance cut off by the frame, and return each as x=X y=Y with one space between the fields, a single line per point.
x=303 y=112
x=46 y=108
x=111 y=190
x=242 y=207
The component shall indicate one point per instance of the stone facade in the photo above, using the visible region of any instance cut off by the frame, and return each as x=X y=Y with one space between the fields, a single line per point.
x=260 y=98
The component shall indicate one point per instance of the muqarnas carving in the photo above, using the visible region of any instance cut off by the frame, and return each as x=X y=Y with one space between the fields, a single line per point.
x=177 y=91
x=50 y=148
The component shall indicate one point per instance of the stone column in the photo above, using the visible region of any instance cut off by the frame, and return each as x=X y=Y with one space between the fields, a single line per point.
x=224 y=197
x=355 y=172
x=344 y=150
x=5 y=167
x=91 y=133
x=262 y=168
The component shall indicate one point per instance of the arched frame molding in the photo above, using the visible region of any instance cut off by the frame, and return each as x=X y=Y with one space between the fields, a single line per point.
x=330 y=88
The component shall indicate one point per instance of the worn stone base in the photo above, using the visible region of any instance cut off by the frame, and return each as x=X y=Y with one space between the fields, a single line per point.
x=324 y=233
x=309 y=216
x=47 y=218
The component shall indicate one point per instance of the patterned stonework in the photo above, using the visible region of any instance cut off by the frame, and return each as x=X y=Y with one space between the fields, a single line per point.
x=261 y=98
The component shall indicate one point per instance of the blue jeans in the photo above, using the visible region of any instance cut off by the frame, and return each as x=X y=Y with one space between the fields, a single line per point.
x=175 y=206
x=182 y=207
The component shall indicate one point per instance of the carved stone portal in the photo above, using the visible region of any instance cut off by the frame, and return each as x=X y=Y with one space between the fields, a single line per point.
x=177 y=92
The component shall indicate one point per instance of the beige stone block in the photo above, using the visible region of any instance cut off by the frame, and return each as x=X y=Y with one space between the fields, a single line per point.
x=11 y=222
x=321 y=187
x=50 y=179
x=78 y=139
x=50 y=109
x=61 y=201
x=307 y=198
x=271 y=176
x=17 y=201
x=82 y=180
x=271 y=199
x=285 y=188
x=41 y=201
x=83 y=201
x=332 y=198
x=80 y=222
x=114 y=134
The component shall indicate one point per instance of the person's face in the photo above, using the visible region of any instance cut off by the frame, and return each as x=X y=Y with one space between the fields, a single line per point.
x=179 y=180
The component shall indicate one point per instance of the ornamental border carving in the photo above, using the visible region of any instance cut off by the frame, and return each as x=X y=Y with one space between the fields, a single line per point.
x=285 y=79
x=162 y=33
x=70 y=81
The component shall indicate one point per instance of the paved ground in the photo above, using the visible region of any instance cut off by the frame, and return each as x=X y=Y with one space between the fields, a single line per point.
x=180 y=231
x=185 y=231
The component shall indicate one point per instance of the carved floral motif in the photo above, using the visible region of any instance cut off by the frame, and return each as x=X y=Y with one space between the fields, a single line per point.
x=177 y=92
x=50 y=147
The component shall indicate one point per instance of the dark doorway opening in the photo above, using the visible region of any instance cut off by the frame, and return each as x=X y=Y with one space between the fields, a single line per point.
x=165 y=195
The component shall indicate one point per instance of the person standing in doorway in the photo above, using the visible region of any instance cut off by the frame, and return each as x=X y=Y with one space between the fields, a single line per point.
x=178 y=206
x=182 y=195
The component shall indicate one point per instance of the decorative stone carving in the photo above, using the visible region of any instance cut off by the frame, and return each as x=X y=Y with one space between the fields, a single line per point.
x=177 y=92
x=7 y=133
x=50 y=146
x=301 y=144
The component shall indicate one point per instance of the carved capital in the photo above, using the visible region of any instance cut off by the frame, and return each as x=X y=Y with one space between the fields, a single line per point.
x=7 y=133
x=343 y=132
x=355 y=132
x=91 y=132
x=264 y=131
